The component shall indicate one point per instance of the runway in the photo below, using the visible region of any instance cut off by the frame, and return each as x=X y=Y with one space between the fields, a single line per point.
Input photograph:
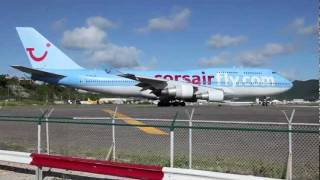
x=218 y=150
x=209 y=112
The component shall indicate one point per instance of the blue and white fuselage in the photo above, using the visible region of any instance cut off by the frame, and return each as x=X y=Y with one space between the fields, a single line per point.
x=51 y=65
x=235 y=82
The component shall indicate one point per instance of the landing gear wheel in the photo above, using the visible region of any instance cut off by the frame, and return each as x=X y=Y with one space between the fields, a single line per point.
x=172 y=103
x=265 y=101
x=176 y=103
x=163 y=103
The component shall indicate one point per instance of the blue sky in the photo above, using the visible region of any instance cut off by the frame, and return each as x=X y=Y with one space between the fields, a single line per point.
x=170 y=35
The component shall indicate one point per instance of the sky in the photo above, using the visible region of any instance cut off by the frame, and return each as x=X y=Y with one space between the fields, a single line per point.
x=169 y=35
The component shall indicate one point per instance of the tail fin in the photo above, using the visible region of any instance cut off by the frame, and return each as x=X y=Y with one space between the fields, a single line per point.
x=42 y=53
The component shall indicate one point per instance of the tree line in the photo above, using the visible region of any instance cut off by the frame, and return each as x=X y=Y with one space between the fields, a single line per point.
x=22 y=89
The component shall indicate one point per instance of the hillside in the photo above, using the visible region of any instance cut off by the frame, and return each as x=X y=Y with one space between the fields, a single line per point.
x=307 y=90
x=17 y=89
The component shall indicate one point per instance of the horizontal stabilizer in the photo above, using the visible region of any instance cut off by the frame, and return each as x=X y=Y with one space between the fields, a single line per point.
x=38 y=72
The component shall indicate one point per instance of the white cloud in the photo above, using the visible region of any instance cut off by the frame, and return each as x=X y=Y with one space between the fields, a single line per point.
x=142 y=68
x=298 y=25
x=307 y=30
x=148 y=65
x=84 y=38
x=298 y=22
x=92 y=39
x=116 y=56
x=100 y=22
x=175 y=22
x=289 y=74
x=59 y=24
x=258 y=57
x=214 y=60
x=88 y=37
x=222 y=41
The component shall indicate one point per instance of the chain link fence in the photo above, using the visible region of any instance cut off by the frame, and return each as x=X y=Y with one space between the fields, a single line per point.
x=243 y=148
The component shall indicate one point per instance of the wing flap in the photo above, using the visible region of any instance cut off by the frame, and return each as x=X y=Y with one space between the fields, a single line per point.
x=146 y=82
x=143 y=78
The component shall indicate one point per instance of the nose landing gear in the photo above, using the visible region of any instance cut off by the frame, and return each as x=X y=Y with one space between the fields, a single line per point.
x=265 y=101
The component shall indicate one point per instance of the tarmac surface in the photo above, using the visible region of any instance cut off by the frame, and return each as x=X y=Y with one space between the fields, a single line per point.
x=237 y=151
x=304 y=114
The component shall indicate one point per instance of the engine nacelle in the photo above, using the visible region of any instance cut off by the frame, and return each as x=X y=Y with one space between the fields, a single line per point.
x=212 y=95
x=183 y=91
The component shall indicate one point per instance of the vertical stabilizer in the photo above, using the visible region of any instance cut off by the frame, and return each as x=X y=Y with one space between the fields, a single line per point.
x=42 y=53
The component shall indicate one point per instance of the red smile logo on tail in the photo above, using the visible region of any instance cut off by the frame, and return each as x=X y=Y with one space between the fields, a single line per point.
x=40 y=58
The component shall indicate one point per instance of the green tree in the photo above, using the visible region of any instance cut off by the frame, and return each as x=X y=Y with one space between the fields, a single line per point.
x=3 y=81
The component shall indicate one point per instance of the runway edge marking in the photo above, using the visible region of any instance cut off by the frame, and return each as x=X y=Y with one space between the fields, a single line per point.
x=132 y=121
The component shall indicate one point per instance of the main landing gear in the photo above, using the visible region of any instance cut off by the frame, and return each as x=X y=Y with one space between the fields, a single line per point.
x=171 y=103
x=265 y=101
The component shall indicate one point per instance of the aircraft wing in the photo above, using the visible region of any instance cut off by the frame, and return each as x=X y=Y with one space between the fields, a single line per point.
x=155 y=84
x=146 y=82
x=38 y=72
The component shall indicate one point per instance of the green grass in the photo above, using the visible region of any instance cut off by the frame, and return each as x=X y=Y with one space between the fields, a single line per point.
x=22 y=103
x=216 y=164
x=12 y=147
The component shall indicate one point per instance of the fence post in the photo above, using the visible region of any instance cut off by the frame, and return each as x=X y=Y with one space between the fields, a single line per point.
x=47 y=129
x=114 y=134
x=190 y=137
x=39 y=169
x=172 y=140
x=289 y=164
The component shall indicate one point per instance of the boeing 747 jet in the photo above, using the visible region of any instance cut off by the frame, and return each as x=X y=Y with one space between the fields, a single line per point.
x=51 y=65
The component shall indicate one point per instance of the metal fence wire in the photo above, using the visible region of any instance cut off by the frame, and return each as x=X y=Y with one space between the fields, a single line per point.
x=254 y=149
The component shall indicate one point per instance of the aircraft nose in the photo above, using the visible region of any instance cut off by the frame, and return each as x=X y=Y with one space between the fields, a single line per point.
x=287 y=86
x=290 y=84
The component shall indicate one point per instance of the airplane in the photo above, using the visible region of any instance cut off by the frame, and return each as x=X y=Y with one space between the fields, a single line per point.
x=51 y=65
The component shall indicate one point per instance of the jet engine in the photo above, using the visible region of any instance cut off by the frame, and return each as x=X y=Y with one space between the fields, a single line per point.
x=212 y=95
x=182 y=91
